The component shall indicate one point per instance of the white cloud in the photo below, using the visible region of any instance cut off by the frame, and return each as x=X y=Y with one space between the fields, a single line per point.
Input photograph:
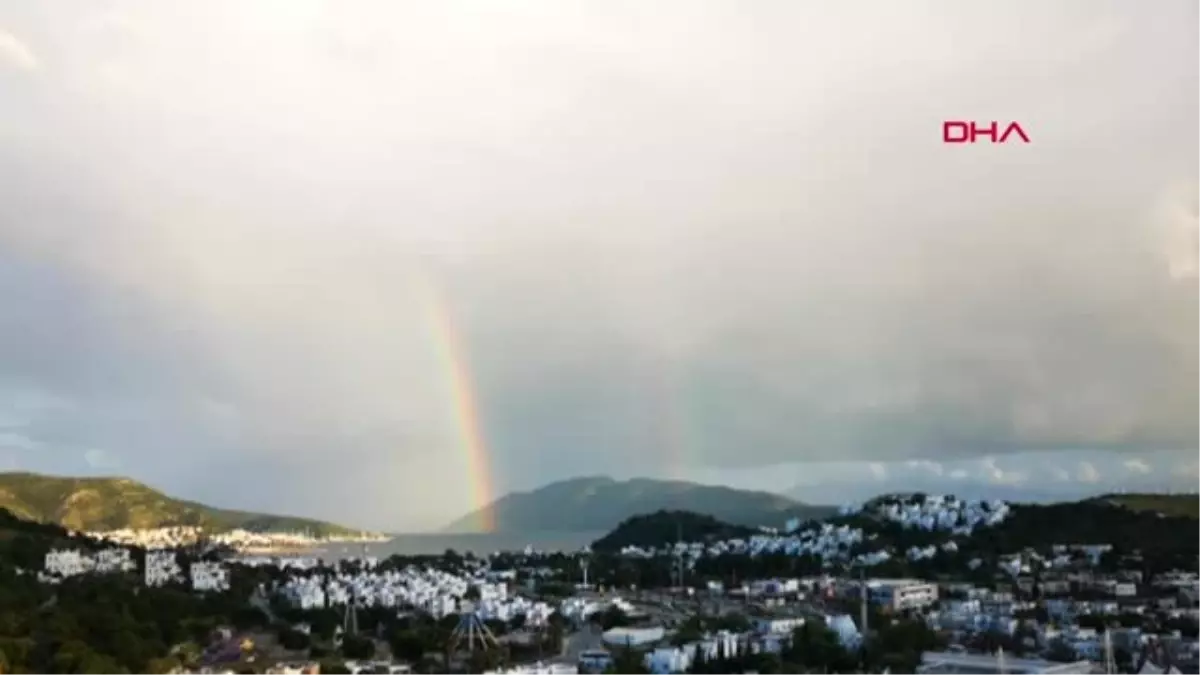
x=12 y=440
x=878 y=470
x=1137 y=465
x=958 y=474
x=932 y=467
x=1060 y=474
x=1188 y=469
x=1088 y=473
x=997 y=475
x=15 y=53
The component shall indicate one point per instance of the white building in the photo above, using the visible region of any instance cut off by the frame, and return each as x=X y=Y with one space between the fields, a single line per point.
x=162 y=568
x=60 y=564
x=209 y=576
x=778 y=626
x=954 y=662
x=902 y=594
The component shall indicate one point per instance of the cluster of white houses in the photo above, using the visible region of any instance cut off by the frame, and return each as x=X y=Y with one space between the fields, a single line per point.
x=436 y=592
x=238 y=539
x=969 y=611
x=955 y=517
x=161 y=568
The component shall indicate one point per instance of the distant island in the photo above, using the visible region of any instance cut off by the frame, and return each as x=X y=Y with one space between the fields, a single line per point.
x=599 y=503
x=127 y=511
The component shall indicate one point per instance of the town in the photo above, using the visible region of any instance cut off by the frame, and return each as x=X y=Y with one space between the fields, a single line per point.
x=237 y=539
x=814 y=595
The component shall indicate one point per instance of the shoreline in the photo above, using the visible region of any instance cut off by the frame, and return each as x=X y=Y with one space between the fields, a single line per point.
x=272 y=551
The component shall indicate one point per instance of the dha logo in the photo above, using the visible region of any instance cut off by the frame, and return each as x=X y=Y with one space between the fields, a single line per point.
x=968 y=132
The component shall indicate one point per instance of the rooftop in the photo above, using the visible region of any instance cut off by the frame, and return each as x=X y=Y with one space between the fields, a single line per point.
x=951 y=662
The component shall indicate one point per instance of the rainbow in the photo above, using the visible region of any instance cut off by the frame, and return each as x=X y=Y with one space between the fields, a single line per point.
x=452 y=359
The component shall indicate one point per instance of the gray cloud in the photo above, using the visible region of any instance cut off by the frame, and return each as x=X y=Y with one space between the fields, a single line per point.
x=695 y=233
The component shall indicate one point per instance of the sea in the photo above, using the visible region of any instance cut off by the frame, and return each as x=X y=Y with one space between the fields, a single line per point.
x=479 y=544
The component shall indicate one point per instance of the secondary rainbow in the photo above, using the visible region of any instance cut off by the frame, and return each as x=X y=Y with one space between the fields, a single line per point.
x=453 y=362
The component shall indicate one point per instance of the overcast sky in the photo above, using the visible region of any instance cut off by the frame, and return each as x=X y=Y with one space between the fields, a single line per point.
x=700 y=239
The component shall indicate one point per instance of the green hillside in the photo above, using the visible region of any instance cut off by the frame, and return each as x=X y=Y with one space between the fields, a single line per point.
x=655 y=529
x=93 y=504
x=1166 y=504
x=599 y=503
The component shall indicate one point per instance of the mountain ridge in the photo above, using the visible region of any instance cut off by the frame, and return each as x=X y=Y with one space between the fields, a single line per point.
x=598 y=503
x=117 y=502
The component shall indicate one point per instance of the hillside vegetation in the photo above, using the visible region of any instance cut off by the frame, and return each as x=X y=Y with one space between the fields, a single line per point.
x=92 y=504
x=1167 y=504
x=597 y=504
x=654 y=529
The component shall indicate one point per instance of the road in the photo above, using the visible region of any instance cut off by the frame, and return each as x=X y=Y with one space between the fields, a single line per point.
x=588 y=637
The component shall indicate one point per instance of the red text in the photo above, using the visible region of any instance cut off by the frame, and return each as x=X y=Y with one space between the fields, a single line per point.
x=970 y=132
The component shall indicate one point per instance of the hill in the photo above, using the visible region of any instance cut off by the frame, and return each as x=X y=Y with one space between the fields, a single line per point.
x=92 y=504
x=599 y=503
x=929 y=536
x=653 y=529
x=1167 y=504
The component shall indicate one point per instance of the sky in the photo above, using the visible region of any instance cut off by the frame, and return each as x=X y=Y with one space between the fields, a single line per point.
x=710 y=240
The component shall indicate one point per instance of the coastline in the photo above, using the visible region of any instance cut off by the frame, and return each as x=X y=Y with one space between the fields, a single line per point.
x=272 y=551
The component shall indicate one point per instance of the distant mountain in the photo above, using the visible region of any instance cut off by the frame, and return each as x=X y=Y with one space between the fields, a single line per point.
x=92 y=504
x=599 y=503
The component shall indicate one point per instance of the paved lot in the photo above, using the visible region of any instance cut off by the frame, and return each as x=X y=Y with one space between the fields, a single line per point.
x=587 y=638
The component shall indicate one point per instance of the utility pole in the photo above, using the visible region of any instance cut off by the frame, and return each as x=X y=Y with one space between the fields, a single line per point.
x=350 y=620
x=862 y=580
x=863 y=616
x=678 y=573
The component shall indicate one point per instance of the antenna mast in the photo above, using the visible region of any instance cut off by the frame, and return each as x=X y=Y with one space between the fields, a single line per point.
x=1110 y=665
x=350 y=620
x=862 y=582
x=678 y=571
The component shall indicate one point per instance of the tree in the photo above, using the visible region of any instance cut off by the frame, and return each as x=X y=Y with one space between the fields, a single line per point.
x=407 y=645
x=612 y=617
x=898 y=646
x=162 y=665
x=1061 y=652
x=815 y=646
x=691 y=630
x=358 y=647
x=334 y=666
x=628 y=660
x=293 y=640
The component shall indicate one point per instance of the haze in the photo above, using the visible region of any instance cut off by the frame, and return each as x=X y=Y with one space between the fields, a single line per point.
x=697 y=239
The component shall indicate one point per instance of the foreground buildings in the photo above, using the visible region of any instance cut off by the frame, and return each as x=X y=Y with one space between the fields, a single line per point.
x=1058 y=602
